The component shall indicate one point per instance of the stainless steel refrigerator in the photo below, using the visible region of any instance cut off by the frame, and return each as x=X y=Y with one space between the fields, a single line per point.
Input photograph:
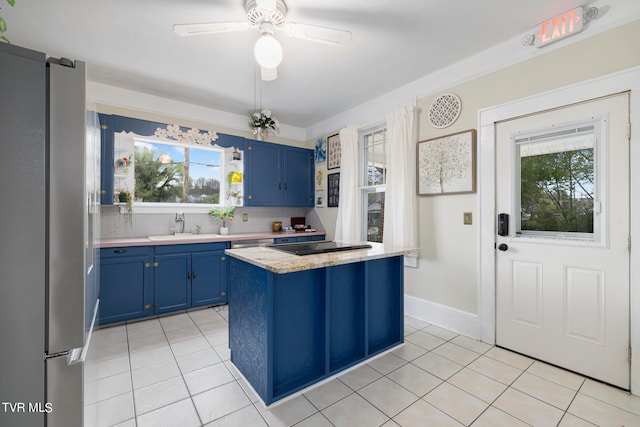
x=48 y=277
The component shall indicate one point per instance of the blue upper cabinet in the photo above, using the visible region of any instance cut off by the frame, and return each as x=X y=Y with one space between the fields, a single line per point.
x=278 y=175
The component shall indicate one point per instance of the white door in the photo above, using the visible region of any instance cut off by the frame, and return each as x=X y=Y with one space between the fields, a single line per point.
x=562 y=264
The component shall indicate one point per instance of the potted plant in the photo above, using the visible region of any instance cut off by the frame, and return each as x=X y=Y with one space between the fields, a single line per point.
x=261 y=122
x=223 y=212
x=126 y=197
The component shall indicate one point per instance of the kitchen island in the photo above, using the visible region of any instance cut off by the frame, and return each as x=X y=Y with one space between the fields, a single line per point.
x=297 y=320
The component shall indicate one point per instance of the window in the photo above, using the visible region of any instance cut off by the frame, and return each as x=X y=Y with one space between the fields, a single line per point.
x=557 y=184
x=373 y=181
x=163 y=172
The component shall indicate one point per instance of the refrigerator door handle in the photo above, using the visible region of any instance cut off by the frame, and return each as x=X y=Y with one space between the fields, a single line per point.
x=79 y=355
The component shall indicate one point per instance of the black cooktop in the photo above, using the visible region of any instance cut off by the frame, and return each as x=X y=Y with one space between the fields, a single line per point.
x=323 y=247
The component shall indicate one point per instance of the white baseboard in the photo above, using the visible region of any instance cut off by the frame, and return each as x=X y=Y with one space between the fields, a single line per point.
x=462 y=322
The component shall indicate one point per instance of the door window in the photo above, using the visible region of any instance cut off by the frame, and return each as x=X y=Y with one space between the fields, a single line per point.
x=557 y=188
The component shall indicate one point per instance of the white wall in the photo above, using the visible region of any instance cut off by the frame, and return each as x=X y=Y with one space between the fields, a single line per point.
x=443 y=290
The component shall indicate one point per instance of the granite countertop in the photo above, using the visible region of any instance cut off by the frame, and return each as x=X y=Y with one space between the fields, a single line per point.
x=281 y=262
x=196 y=238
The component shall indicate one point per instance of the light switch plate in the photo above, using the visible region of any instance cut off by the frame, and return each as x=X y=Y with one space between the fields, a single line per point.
x=467 y=218
x=245 y=217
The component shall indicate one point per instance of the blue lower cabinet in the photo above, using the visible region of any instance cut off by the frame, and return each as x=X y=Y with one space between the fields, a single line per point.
x=172 y=284
x=208 y=278
x=126 y=283
x=289 y=331
x=137 y=282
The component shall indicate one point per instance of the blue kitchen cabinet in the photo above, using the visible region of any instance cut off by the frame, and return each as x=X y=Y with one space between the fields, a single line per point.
x=208 y=278
x=126 y=282
x=190 y=275
x=299 y=239
x=278 y=175
x=172 y=284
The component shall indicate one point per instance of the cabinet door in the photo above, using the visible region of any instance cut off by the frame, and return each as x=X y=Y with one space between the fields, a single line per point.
x=208 y=278
x=172 y=282
x=263 y=175
x=298 y=177
x=124 y=289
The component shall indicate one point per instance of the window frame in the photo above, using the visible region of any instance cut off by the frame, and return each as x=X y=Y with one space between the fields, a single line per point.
x=364 y=187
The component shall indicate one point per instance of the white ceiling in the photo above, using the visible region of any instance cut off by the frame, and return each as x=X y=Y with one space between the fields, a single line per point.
x=131 y=44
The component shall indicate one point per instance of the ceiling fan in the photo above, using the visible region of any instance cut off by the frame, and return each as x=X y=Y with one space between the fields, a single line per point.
x=268 y=16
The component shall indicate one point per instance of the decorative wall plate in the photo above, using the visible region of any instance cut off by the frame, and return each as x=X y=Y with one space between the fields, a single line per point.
x=444 y=110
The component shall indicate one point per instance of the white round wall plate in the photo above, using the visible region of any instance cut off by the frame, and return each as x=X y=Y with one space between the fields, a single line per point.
x=444 y=110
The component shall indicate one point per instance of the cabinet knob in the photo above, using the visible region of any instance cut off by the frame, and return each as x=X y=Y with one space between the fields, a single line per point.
x=249 y=197
x=222 y=258
x=147 y=264
x=155 y=264
x=147 y=307
x=223 y=294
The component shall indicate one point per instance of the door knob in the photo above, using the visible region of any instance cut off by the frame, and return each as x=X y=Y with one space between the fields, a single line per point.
x=503 y=247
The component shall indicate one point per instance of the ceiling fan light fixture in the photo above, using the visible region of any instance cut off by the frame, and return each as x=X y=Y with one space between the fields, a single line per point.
x=268 y=51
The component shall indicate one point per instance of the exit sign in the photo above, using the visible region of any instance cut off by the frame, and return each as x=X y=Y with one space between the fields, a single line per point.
x=559 y=27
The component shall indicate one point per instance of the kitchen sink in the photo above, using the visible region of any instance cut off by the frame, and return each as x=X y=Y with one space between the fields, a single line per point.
x=185 y=236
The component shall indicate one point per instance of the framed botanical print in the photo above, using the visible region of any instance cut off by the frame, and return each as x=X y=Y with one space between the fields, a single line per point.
x=447 y=165
x=333 y=184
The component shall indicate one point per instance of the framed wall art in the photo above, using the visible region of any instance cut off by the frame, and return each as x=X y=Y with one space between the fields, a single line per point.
x=333 y=151
x=321 y=173
x=447 y=165
x=320 y=199
x=333 y=184
x=321 y=150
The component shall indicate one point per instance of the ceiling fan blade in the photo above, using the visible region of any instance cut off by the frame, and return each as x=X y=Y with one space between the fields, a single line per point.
x=317 y=34
x=266 y=4
x=268 y=74
x=209 y=28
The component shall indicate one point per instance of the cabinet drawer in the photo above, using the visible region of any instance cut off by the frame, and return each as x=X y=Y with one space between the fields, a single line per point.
x=125 y=251
x=310 y=238
x=191 y=247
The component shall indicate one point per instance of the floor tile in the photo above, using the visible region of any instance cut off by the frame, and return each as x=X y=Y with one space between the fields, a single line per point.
x=106 y=368
x=110 y=411
x=437 y=365
x=207 y=378
x=545 y=390
x=439 y=332
x=424 y=340
x=218 y=337
x=108 y=387
x=495 y=369
x=197 y=360
x=155 y=373
x=494 y=417
x=387 y=363
x=177 y=321
x=354 y=411
x=288 y=412
x=478 y=385
x=190 y=345
x=416 y=380
x=204 y=316
x=160 y=394
x=601 y=413
x=416 y=414
x=528 y=409
x=456 y=403
x=360 y=377
x=245 y=417
x=213 y=327
x=510 y=358
x=471 y=344
x=388 y=396
x=409 y=351
x=316 y=420
x=146 y=342
x=175 y=335
x=612 y=396
x=220 y=401
x=557 y=375
x=223 y=351
x=415 y=323
x=328 y=393
x=102 y=353
x=150 y=356
x=456 y=353
x=569 y=420
x=181 y=413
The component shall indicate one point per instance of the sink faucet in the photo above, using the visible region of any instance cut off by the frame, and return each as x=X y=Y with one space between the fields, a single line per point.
x=180 y=219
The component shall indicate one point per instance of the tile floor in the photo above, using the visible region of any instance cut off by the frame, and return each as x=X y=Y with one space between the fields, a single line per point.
x=175 y=371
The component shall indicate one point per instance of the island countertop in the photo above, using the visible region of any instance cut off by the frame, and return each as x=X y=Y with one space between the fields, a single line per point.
x=281 y=262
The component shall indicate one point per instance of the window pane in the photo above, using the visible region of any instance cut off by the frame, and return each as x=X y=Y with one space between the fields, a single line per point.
x=375 y=216
x=375 y=158
x=557 y=181
x=176 y=174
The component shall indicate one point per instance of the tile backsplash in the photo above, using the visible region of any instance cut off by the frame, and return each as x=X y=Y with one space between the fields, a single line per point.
x=118 y=225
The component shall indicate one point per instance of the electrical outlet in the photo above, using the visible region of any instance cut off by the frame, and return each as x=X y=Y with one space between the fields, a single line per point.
x=467 y=218
x=245 y=217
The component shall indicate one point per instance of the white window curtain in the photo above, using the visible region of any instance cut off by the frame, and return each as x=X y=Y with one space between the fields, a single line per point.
x=401 y=210
x=349 y=222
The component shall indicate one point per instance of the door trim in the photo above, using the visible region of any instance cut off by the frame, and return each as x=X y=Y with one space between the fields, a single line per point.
x=628 y=80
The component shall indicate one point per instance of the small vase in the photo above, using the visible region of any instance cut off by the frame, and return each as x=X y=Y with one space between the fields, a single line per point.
x=224 y=230
x=259 y=134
